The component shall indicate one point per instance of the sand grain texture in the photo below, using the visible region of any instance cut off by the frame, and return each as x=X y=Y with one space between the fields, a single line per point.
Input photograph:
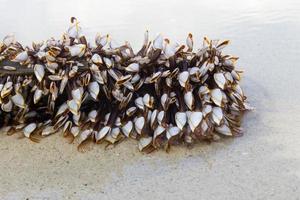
x=263 y=164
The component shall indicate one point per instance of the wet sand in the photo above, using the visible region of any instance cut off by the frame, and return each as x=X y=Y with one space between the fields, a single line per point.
x=263 y=164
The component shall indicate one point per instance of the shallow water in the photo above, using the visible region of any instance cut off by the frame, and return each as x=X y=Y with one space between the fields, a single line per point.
x=264 y=164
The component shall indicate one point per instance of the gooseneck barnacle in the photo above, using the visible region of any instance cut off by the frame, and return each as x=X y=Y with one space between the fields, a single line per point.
x=162 y=95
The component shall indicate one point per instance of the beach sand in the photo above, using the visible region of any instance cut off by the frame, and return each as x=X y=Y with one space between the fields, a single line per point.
x=263 y=164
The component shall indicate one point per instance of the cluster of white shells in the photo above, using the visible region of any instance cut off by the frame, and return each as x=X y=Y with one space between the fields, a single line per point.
x=162 y=95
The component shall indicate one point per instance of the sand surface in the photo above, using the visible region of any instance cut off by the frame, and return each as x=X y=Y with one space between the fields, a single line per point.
x=263 y=164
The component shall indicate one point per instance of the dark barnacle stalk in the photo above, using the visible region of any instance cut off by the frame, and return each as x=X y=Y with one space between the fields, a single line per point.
x=163 y=95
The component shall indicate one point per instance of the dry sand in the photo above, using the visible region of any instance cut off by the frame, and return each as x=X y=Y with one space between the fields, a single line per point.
x=263 y=164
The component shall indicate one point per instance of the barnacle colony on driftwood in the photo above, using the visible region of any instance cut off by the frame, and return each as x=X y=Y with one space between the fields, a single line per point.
x=164 y=94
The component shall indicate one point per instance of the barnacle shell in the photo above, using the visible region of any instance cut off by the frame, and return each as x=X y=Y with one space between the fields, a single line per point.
x=18 y=100
x=39 y=72
x=29 y=129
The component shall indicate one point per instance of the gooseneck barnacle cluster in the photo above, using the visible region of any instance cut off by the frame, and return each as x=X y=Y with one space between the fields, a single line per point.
x=162 y=95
